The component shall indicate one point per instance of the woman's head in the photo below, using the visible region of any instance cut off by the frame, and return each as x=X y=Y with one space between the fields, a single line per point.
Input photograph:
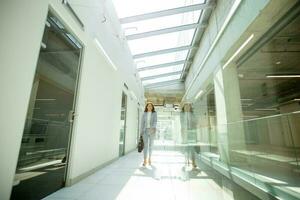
x=149 y=107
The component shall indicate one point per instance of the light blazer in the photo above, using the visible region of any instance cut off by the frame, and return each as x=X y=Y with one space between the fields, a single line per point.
x=153 y=121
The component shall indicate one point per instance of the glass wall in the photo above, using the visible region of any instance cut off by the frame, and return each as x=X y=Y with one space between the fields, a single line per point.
x=257 y=135
x=43 y=156
x=168 y=126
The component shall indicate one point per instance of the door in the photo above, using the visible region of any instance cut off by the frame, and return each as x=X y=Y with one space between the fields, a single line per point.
x=43 y=156
x=123 y=125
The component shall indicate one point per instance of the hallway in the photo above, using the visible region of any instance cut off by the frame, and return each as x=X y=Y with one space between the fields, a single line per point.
x=166 y=179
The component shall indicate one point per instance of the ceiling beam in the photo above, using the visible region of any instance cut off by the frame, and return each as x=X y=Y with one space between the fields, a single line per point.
x=162 y=65
x=161 y=75
x=163 y=83
x=165 y=31
x=163 y=51
x=163 y=13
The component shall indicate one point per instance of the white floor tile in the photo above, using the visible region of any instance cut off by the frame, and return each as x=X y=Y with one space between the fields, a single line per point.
x=126 y=179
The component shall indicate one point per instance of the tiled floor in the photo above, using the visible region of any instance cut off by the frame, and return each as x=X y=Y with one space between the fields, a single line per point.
x=166 y=179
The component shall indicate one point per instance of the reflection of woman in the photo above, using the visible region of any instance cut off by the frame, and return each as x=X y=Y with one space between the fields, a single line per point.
x=188 y=132
x=148 y=130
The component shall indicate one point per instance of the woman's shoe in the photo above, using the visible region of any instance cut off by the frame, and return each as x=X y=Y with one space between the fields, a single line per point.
x=144 y=163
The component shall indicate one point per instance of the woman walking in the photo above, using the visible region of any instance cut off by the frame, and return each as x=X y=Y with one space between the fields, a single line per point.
x=148 y=130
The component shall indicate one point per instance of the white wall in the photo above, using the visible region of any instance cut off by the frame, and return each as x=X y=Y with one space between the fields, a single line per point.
x=19 y=49
x=97 y=124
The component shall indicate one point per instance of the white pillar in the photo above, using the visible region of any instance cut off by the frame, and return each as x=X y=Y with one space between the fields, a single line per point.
x=229 y=113
x=201 y=113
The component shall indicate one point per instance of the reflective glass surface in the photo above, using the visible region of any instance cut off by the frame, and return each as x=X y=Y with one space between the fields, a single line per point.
x=43 y=156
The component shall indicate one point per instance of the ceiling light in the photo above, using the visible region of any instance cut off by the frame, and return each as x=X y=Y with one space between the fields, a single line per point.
x=296 y=99
x=278 y=63
x=247 y=99
x=45 y=99
x=250 y=116
x=199 y=94
x=284 y=76
x=239 y=50
x=266 y=109
x=100 y=48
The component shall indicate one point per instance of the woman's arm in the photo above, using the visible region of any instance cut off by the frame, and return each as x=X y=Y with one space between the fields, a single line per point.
x=142 y=124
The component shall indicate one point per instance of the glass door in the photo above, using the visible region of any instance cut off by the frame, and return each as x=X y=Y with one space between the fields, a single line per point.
x=123 y=125
x=43 y=156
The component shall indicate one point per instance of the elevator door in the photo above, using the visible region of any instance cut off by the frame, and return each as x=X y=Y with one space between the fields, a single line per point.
x=43 y=156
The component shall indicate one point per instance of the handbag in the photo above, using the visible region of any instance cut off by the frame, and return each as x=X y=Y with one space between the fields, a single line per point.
x=141 y=144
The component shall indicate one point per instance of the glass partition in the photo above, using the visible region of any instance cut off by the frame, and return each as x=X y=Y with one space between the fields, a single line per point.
x=266 y=151
x=43 y=156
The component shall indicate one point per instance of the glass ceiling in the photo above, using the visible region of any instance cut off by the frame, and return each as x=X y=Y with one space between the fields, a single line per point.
x=159 y=38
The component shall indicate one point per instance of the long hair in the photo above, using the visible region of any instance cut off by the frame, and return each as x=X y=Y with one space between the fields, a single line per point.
x=146 y=109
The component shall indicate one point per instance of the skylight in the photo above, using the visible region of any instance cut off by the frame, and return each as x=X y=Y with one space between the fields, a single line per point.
x=160 y=34
x=158 y=71
x=137 y=7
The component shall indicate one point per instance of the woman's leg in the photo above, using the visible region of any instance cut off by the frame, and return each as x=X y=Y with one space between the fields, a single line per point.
x=151 y=140
x=146 y=141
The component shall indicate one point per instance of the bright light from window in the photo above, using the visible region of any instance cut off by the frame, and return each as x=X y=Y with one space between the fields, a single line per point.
x=161 y=59
x=159 y=42
x=161 y=22
x=126 y=8
x=154 y=72
x=162 y=79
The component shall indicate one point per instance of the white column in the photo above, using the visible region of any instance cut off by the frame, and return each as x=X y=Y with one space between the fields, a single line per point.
x=229 y=113
x=202 y=123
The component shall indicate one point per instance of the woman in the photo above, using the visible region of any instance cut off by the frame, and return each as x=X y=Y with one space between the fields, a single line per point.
x=188 y=133
x=148 y=130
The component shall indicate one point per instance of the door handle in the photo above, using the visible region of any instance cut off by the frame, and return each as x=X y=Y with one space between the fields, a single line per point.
x=71 y=116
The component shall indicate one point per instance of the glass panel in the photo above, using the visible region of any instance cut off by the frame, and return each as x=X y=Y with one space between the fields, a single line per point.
x=261 y=143
x=165 y=41
x=266 y=96
x=161 y=59
x=161 y=22
x=136 y=7
x=43 y=155
x=163 y=70
x=162 y=79
x=204 y=113
x=123 y=125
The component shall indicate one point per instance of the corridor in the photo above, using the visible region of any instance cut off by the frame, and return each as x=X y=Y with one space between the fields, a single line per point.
x=211 y=86
x=168 y=178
